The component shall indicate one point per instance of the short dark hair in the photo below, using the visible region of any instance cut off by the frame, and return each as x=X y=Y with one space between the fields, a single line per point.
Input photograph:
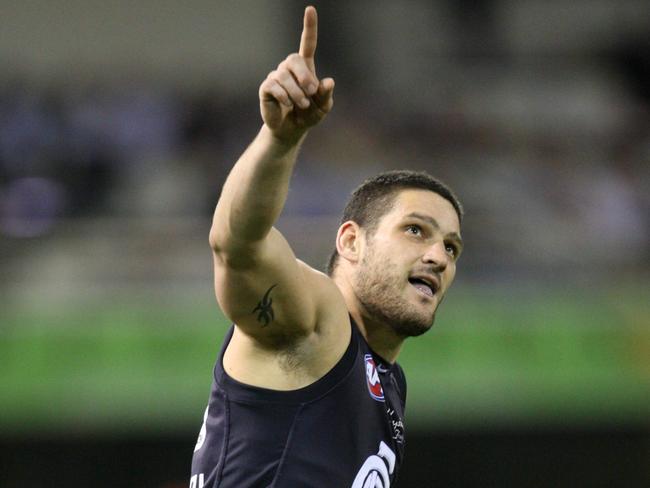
x=376 y=196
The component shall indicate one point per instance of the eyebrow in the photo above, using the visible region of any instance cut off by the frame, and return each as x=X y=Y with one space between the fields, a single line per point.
x=434 y=223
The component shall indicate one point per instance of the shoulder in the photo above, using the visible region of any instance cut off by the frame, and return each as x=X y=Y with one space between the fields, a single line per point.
x=285 y=361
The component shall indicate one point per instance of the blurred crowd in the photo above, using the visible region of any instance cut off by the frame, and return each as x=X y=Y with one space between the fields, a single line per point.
x=539 y=196
x=549 y=153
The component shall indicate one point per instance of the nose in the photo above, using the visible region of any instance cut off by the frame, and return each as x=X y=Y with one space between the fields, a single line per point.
x=436 y=256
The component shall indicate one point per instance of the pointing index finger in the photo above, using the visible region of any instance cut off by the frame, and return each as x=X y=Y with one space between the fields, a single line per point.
x=309 y=36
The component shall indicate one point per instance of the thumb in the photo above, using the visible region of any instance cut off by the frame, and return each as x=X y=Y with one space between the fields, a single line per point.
x=324 y=96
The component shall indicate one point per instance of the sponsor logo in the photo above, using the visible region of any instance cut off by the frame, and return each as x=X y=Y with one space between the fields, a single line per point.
x=397 y=424
x=376 y=470
x=201 y=439
x=372 y=379
x=197 y=481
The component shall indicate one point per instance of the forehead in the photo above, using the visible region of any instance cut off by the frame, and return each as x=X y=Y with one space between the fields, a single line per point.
x=426 y=203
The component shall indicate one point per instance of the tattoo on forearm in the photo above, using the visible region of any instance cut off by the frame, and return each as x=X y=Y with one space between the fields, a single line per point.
x=264 y=308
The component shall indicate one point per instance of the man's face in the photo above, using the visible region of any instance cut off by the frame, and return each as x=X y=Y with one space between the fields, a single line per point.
x=409 y=262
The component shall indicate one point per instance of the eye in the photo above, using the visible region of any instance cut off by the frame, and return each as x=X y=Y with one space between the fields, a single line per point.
x=414 y=230
x=451 y=249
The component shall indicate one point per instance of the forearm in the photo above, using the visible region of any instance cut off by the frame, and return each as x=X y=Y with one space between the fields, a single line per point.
x=254 y=193
x=292 y=100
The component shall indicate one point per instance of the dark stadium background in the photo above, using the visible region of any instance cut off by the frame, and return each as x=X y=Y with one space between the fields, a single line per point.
x=119 y=121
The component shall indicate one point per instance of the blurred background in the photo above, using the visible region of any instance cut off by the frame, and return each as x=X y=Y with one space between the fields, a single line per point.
x=119 y=122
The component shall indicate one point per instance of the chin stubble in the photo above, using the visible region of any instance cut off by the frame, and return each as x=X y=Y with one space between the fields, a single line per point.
x=379 y=292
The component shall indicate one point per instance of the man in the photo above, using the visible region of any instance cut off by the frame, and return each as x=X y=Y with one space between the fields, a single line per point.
x=306 y=390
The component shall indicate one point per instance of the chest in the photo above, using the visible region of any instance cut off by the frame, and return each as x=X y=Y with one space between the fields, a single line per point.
x=359 y=431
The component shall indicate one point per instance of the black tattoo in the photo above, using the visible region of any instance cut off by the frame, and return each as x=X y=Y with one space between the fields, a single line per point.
x=265 y=309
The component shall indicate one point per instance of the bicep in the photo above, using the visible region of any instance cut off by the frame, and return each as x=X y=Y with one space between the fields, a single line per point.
x=265 y=290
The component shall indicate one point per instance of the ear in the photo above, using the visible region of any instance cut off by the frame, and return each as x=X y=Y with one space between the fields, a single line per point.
x=348 y=241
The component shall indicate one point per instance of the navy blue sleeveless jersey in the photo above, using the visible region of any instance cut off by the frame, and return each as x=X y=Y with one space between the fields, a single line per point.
x=346 y=430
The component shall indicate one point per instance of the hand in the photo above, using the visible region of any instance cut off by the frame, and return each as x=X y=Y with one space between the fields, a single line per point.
x=292 y=99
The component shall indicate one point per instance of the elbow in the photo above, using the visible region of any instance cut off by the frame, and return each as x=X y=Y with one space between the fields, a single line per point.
x=219 y=247
x=220 y=237
x=223 y=242
x=230 y=252
x=216 y=239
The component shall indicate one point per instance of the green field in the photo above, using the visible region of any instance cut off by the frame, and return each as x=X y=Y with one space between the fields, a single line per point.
x=492 y=358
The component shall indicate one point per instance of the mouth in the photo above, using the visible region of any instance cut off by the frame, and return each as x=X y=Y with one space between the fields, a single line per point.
x=426 y=285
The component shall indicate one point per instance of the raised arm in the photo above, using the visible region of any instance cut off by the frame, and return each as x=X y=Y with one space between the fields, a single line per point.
x=258 y=281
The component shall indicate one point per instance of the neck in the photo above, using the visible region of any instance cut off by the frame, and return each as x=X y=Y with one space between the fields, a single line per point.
x=381 y=337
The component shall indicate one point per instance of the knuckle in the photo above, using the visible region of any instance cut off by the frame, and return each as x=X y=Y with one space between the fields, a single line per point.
x=293 y=89
x=281 y=75
x=265 y=86
x=272 y=75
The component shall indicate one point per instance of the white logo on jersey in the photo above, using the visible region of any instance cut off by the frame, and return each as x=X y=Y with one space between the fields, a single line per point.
x=201 y=439
x=197 y=481
x=376 y=471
